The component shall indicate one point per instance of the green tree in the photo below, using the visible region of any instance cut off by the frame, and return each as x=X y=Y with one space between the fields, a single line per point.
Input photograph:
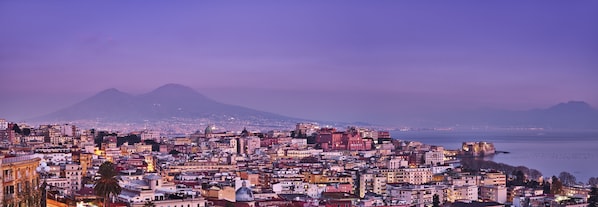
x=435 y=201
x=108 y=184
x=593 y=200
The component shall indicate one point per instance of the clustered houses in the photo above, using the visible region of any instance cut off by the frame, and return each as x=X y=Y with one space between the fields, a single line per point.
x=306 y=166
x=331 y=140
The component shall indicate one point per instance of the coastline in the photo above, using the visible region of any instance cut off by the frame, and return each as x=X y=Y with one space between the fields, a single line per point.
x=550 y=152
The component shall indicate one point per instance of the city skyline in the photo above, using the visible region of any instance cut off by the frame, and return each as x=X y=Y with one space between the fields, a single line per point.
x=401 y=58
x=460 y=103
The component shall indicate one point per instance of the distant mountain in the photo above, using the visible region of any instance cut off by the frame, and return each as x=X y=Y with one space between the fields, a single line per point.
x=570 y=115
x=573 y=114
x=166 y=102
x=174 y=101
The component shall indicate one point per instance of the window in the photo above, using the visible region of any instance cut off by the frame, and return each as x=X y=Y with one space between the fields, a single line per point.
x=9 y=189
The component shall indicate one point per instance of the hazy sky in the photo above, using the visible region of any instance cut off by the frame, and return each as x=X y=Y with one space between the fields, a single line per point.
x=353 y=60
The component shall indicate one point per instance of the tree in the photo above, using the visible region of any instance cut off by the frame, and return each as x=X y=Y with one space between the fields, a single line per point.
x=131 y=139
x=155 y=145
x=149 y=204
x=534 y=174
x=532 y=184
x=108 y=184
x=593 y=182
x=100 y=137
x=435 y=201
x=26 y=131
x=546 y=187
x=567 y=178
x=556 y=187
x=519 y=178
x=593 y=200
x=16 y=128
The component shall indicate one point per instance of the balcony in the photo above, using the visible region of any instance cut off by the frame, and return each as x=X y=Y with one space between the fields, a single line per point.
x=9 y=196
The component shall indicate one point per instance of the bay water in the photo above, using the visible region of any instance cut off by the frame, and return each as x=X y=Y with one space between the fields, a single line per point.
x=550 y=152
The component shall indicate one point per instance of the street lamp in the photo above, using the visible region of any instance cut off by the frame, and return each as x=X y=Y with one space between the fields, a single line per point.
x=43 y=169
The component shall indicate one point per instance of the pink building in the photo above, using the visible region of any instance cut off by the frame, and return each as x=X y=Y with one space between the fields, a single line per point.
x=331 y=140
x=339 y=188
x=268 y=142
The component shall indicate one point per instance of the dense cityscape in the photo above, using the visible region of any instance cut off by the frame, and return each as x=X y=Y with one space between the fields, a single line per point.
x=309 y=165
x=266 y=103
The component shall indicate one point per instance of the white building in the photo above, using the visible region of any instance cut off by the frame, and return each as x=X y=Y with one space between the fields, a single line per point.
x=396 y=163
x=408 y=175
x=434 y=157
x=440 y=169
x=463 y=193
x=68 y=130
x=3 y=124
x=416 y=195
x=153 y=188
x=496 y=193
x=150 y=135
x=73 y=172
x=299 y=187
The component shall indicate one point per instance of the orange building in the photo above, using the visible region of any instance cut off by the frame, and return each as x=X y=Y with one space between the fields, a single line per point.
x=20 y=181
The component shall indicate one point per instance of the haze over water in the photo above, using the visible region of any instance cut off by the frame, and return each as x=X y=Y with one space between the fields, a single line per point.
x=550 y=152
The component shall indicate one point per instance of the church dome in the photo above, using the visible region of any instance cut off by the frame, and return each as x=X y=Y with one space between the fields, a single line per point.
x=244 y=194
x=245 y=133
x=208 y=130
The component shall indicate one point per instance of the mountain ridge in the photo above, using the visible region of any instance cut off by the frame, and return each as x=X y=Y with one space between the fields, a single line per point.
x=179 y=101
x=167 y=101
x=566 y=115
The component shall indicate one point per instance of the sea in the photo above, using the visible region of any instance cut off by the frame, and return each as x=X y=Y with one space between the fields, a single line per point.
x=550 y=152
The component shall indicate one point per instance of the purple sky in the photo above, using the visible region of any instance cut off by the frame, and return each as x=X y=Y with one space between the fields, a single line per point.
x=353 y=60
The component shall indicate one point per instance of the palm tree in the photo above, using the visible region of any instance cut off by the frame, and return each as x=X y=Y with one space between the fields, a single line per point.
x=108 y=184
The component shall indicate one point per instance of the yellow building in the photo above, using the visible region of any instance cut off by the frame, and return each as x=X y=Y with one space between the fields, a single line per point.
x=85 y=160
x=20 y=181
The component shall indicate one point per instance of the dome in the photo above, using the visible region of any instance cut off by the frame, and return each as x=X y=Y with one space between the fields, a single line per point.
x=244 y=194
x=245 y=133
x=208 y=130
